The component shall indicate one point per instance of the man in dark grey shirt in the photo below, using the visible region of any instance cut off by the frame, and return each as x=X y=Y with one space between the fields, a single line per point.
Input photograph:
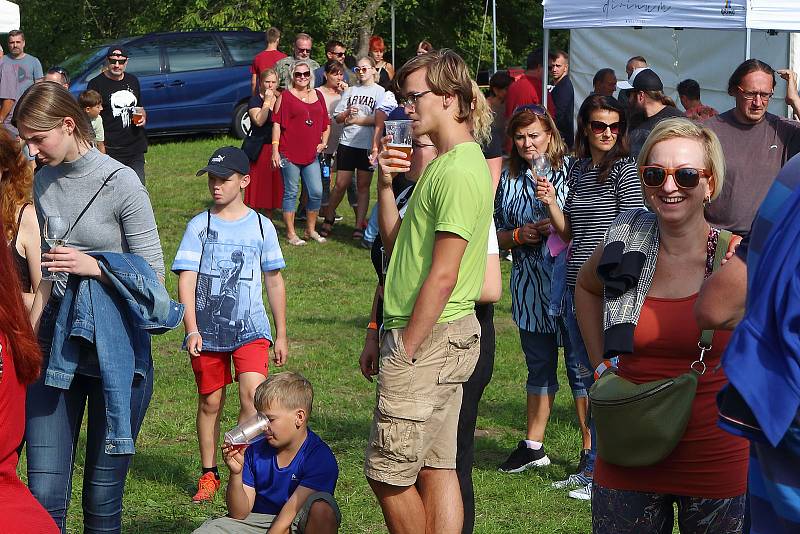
x=756 y=145
x=647 y=97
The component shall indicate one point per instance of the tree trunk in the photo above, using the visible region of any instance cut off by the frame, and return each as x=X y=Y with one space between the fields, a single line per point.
x=366 y=26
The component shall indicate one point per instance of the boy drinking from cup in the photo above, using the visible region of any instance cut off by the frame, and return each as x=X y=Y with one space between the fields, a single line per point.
x=219 y=264
x=285 y=482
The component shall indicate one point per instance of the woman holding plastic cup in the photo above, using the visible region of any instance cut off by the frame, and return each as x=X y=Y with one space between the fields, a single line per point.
x=523 y=225
x=356 y=111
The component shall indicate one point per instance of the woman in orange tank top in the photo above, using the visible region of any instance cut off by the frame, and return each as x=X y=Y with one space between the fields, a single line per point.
x=682 y=168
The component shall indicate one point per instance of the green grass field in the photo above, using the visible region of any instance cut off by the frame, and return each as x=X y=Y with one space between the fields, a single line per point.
x=329 y=290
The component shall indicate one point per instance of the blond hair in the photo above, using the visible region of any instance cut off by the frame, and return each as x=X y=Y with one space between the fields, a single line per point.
x=45 y=105
x=447 y=74
x=683 y=128
x=289 y=390
x=482 y=117
x=556 y=149
x=305 y=62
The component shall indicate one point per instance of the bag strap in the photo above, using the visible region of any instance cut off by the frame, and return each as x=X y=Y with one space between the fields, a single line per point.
x=707 y=336
x=91 y=201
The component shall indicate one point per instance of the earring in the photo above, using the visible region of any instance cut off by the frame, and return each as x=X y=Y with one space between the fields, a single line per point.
x=707 y=200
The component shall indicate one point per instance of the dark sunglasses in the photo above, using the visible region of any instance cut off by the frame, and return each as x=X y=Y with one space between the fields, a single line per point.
x=303 y=74
x=306 y=50
x=117 y=61
x=685 y=177
x=359 y=70
x=338 y=54
x=599 y=127
x=536 y=109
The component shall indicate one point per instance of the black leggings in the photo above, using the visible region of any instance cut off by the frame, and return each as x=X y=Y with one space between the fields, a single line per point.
x=633 y=512
x=473 y=389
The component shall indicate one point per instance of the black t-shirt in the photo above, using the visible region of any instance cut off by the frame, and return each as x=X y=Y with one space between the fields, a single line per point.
x=564 y=99
x=123 y=139
x=264 y=132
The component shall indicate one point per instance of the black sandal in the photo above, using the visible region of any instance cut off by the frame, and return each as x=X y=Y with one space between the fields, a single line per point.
x=327 y=227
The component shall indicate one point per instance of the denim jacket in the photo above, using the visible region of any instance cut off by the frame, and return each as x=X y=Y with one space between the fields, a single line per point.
x=118 y=320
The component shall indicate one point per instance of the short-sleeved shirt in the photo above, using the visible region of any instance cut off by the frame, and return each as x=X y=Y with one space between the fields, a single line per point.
x=229 y=257
x=454 y=195
x=265 y=130
x=515 y=204
x=754 y=153
x=526 y=90
x=302 y=125
x=97 y=126
x=638 y=135
x=28 y=70
x=591 y=206
x=264 y=60
x=313 y=467
x=366 y=98
x=8 y=91
x=701 y=112
x=122 y=139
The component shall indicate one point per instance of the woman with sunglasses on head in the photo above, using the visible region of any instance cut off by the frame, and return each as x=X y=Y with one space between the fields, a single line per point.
x=21 y=226
x=265 y=191
x=656 y=337
x=299 y=135
x=385 y=70
x=523 y=226
x=602 y=184
x=107 y=210
x=356 y=111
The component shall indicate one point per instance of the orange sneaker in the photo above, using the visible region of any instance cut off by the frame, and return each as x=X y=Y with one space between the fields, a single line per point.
x=207 y=486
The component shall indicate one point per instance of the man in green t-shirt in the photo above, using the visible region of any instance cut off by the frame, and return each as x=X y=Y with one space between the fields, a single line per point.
x=431 y=343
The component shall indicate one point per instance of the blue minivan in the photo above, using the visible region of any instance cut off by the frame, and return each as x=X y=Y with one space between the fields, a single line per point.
x=194 y=81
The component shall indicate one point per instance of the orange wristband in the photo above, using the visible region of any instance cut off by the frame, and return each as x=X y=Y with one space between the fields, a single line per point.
x=516 y=236
x=372 y=325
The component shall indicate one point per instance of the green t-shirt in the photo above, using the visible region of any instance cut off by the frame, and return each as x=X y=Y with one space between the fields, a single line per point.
x=453 y=195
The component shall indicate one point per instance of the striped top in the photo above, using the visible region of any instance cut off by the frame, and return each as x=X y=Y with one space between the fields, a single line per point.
x=515 y=204
x=591 y=207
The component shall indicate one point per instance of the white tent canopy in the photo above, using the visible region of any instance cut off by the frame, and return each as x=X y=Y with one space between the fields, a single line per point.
x=9 y=16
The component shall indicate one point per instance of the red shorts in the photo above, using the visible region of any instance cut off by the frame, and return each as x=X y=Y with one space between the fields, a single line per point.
x=212 y=370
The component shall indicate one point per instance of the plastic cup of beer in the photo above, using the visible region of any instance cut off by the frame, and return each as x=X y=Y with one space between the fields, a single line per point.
x=401 y=136
x=247 y=432
x=137 y=115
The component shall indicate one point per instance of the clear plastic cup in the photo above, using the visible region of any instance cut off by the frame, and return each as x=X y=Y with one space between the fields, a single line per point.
x=247 y=432
x=401 y=136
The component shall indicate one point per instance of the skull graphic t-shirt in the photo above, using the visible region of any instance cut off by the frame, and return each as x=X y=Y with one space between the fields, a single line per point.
x=123 y=140
x=229 y=257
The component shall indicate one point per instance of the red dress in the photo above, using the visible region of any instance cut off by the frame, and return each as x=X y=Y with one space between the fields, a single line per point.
x=266 y=182
x=20 y=511
x=707 y=462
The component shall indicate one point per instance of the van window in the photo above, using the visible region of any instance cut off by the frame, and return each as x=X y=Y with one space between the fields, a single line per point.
x=244 y=47
x=143 y=59
x=187 y=53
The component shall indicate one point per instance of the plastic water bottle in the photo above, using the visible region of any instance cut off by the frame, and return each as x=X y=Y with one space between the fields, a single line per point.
x=326 y=169
x=284 y=161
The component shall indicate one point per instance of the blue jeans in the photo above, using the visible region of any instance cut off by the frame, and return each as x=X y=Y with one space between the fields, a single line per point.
x=312 y=180
x=53 y=425
x=585 y=369
x=541 y=358
x=371 y=231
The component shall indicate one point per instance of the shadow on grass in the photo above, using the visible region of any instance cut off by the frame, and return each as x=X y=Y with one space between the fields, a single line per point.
x=164 y=468
x=176 y=525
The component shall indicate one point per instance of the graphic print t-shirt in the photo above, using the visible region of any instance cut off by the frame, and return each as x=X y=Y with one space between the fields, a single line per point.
x=366 y=98
x=229 y=257
x=123 y=139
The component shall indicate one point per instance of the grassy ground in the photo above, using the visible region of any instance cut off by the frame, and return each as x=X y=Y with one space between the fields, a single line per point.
x=329 y=291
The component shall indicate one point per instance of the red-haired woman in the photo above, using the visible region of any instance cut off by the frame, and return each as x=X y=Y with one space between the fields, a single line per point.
x=385 y=69
x=16 y=208
x=20 y=363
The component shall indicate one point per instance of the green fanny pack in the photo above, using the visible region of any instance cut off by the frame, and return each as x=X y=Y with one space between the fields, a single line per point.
x=641 y=424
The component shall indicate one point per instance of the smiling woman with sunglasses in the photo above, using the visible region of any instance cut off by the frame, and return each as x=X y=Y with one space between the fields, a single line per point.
x=300 y=133
x=602 y=184
x=682 y=169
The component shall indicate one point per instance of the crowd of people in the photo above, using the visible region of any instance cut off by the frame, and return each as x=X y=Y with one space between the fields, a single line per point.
x=639 y=236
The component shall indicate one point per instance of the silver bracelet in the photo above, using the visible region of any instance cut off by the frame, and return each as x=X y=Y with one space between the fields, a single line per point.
x=190 y=334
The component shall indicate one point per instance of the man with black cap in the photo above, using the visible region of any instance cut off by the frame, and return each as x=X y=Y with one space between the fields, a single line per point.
x=647 y=97
x=123 y=117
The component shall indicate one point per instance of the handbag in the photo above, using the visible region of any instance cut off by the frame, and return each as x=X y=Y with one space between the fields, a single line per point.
x=252 y=146
x=641 y=424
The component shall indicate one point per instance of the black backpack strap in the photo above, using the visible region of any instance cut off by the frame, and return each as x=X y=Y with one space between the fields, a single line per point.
x=260 y=225
x=91 y=201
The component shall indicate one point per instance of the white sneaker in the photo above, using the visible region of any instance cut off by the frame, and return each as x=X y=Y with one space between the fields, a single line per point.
x=582 y=494
x=575 y=480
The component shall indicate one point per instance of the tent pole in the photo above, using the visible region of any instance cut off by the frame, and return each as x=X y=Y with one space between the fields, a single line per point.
x=545 y=59
x=747 y=45
x=494 y=36
x=393 y=61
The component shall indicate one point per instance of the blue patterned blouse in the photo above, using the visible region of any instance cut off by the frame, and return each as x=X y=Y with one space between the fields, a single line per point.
x=514 y=205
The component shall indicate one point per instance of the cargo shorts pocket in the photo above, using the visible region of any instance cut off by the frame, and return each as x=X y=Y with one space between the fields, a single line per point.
x=400 y=427
x=460 y=358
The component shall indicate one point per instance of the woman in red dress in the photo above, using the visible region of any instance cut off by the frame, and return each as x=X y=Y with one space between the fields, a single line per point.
x=265 y=191
x=20 y=363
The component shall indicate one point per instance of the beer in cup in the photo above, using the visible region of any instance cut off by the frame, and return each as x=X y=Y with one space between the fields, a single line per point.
x=137 y=115
x=401 y=136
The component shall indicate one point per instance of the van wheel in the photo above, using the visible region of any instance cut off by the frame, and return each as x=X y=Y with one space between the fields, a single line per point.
x=241 y=121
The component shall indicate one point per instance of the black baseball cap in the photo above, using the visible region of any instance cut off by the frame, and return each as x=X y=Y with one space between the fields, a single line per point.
x=225 y=161
x=117 y=50
x=642 y=79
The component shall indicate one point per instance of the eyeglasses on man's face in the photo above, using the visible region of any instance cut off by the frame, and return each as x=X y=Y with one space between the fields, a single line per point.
x=411 y=99
x=751 y=95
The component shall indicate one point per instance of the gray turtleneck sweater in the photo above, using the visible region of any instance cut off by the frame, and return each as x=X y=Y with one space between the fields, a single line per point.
x=119 y=220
